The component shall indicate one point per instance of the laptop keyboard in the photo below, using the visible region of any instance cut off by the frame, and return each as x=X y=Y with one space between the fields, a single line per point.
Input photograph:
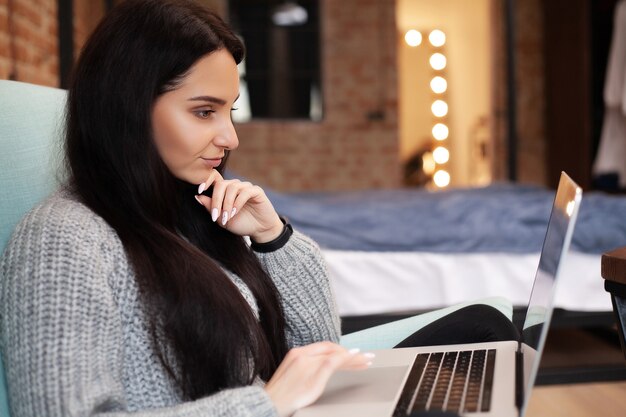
x=451 y=381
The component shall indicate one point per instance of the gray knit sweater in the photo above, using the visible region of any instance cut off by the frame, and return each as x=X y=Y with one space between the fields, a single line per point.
x=74 y=337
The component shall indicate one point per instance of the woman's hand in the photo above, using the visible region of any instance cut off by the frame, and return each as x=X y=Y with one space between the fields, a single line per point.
x=301 y=377
x=240 y=207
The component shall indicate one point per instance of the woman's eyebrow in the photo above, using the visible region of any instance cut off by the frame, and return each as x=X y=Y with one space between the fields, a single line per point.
x=211 y=99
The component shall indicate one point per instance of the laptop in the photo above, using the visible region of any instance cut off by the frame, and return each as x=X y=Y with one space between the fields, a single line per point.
x=478 y=379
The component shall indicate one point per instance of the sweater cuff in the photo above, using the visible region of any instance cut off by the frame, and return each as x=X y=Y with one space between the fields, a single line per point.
x=277 y=243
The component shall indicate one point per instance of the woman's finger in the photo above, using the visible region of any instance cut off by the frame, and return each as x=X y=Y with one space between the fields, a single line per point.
x=246 y=194
x=229 y=208
x=224 y=193
x=318 y=348
x=213 y=176
x=331 y=363
x=211 y=179
x=355 y=360
x=219 y=188
x=358 y=361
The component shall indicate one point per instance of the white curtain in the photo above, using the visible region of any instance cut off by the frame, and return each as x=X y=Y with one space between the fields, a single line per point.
x=611 y=157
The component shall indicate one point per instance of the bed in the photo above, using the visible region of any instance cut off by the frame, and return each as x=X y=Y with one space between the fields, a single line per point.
x=407 y=250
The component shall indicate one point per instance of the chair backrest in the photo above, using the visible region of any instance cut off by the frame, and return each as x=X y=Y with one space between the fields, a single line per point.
x=31 y=131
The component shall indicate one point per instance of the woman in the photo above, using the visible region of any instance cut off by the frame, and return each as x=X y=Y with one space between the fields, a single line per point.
x=133 y=289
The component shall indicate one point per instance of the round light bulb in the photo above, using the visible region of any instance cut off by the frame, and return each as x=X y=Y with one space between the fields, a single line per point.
x=439 y=108
x=441 y=178
x=437 y=38
x=413 y=38
x=438 y=61
x=438 y=85
x=428 y=163
x=440 y=131
x=441 y=155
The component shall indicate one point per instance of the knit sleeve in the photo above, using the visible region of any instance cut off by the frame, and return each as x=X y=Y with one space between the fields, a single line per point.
x=300 y=274
x=61 y=331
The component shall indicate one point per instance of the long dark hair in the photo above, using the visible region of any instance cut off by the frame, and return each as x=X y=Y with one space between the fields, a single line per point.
x=140 y=50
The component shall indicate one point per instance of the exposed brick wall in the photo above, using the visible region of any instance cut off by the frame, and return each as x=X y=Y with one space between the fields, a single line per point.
x=345 y=150
x=33 y=28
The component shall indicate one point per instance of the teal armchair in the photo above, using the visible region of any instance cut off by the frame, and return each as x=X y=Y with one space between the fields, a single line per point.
x=31 y=131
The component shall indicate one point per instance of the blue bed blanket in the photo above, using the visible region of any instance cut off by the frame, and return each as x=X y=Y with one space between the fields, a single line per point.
x=498 y=218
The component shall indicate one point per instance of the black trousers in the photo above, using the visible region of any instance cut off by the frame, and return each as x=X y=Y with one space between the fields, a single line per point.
x=472 y=324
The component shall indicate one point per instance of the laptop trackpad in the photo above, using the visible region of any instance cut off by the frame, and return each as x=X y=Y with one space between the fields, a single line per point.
x=369 y=385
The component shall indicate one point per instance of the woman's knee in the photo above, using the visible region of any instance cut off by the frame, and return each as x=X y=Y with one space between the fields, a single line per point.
x=472 y=324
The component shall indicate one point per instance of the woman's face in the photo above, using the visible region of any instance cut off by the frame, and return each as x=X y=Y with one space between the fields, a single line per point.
x=192 y=124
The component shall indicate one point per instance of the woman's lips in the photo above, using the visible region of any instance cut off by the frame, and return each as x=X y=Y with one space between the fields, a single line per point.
x=212 y=162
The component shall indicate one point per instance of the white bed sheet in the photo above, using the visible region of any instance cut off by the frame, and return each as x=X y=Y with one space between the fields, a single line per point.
x=385 y=282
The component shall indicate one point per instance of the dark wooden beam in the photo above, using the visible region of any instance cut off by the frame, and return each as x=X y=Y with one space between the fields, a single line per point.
x=511 y=91
x=66 y=40
x=567 y=35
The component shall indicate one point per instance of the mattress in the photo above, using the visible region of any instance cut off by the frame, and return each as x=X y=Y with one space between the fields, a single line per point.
x=369 y=282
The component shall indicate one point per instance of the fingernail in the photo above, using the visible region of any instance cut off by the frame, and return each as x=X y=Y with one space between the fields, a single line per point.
x=201 y=188
x=198 y=200
x=232 y=213
x=354 y=351
x=214 y=214
x=224 y=218
x=369 y=355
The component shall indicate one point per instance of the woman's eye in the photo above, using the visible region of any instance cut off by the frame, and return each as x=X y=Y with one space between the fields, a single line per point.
x=204 y=114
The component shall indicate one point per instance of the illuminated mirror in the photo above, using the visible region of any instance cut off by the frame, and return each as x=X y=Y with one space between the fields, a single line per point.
x=445 y=86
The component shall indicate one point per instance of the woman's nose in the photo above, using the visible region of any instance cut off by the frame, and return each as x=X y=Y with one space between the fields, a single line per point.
x=227 y=137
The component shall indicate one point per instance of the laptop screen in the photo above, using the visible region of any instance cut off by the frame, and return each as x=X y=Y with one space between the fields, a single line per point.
x=555 y=246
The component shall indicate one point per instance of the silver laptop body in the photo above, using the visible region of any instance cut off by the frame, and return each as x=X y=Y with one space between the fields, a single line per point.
x=397 y=382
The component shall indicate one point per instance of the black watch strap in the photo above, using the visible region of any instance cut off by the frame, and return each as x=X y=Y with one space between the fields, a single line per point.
x=277 y=243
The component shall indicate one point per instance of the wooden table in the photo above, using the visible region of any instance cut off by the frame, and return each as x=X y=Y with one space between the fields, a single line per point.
x=613 y=267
